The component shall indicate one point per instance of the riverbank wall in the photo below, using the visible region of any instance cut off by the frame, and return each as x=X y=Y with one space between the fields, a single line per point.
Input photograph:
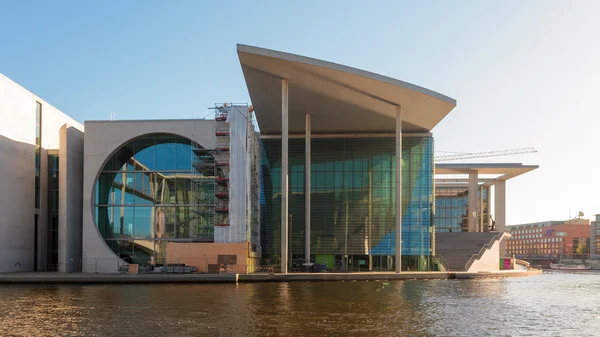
x=88 y=278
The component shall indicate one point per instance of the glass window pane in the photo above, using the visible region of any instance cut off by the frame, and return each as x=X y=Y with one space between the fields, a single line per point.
x=165 y=222
x=144 y=222
x=145 y=154
x=166 y=151
x=105 y=221
x=121 y=157
x=38 y=113
x=104 y=187
x=184 y=154
x=141 y=189
x=122 y=248
x=122 y=220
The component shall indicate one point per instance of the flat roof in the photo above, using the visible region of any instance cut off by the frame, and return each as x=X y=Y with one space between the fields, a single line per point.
x=504 y=171
x=339 y=98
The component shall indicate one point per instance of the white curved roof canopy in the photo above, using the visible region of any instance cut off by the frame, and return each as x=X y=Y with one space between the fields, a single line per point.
x=503 y=171
x=340 y=99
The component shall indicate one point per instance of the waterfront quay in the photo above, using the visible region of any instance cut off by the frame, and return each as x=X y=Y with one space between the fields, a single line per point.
x=88 y=278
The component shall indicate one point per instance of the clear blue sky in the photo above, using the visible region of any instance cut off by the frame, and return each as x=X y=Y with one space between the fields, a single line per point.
x=524 y=73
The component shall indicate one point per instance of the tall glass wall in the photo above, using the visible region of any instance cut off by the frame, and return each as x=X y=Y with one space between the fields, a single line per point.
x=38 y=152
x=352 y=203
x=52 y=242
x=153 y=190
x=451 y=208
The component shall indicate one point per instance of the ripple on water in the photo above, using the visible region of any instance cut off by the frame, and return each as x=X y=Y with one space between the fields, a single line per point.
x=552 y=304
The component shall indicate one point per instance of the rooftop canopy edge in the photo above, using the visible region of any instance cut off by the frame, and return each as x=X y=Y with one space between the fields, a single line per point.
x=504 y=170
x=340 y=99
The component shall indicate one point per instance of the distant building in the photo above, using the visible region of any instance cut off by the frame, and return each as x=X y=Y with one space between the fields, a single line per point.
x=458 y=210
x=549 y=239
x=595 y=238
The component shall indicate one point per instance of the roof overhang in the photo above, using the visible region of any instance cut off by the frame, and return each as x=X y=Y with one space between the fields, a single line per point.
x=340 y=99
x=503 y=171
x=462 y=182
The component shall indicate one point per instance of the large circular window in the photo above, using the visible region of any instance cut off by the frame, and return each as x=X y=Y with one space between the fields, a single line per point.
x=155 y=189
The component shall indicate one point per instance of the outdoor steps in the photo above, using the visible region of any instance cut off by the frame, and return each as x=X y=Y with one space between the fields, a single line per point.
x=457 y=248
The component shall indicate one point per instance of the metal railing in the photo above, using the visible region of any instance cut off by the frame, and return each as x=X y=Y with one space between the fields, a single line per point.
x=442 y=262
x=211 y=266
x=523 y=263
x=169 y=266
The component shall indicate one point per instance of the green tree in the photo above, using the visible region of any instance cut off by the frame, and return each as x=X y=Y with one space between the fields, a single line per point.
x=580 y=249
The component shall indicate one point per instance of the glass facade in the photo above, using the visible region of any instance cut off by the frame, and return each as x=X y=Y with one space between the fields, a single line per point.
x=451 y=208
x=155 y=189
x=595 y=237
x=38 y=149
x=352 y=203
x=52 y=255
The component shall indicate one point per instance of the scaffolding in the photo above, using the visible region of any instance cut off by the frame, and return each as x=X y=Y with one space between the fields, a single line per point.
x=212 y=167
x=212 y=177
x=221 y=155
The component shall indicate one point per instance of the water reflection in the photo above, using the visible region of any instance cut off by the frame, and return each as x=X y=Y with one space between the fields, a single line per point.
x=553 y=304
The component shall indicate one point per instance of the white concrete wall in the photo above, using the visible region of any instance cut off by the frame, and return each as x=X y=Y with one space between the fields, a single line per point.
x=489 y=261
x=17 y=174
x=70 y=182
x=238 y=179
x=520 y=267
x=102 y=139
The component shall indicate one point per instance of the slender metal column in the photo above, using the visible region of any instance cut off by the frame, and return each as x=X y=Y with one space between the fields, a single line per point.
x=307 y=153
x=370 y=212
x=480 y=219
x=398 y=189
x=472 y=206
x=284 y=176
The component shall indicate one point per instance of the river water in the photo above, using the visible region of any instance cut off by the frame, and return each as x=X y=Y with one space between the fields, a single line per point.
x=552 y=304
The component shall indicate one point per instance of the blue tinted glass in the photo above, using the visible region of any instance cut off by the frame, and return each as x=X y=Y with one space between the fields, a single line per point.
x=360 y=172
x=154 y=170
x=143 y=226
x=166 y=152
x=145 y=153
x=184 y=154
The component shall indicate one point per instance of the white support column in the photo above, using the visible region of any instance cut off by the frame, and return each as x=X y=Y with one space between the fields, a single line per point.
x=472 y=207
x=284 y=176
x=307 y=153
x=500 y=204
x=398 y=189
x=500 y=211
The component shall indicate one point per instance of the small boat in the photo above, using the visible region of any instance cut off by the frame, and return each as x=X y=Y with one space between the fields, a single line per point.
x=578 y=266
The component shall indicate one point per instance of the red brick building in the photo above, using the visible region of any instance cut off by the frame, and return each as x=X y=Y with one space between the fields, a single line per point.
x=549 y=239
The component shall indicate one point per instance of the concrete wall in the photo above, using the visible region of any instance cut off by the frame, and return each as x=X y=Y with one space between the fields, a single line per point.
x=70 y=182
x=201 y=255
x=17 y=174
x=238 y=179
x=489 y=261
x=102 y=139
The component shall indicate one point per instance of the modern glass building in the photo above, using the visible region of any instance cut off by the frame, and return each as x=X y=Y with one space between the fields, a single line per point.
x=352 y=203
x=330 y=169
x=452 y=207
x=361 y=143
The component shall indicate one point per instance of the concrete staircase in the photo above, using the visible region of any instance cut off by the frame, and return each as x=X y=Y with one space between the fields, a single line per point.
x=458 y=250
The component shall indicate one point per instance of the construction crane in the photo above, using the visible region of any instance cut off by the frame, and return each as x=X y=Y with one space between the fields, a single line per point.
x=484 y=154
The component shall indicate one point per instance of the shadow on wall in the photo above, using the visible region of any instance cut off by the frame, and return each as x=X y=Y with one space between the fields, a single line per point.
x=17 y=206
